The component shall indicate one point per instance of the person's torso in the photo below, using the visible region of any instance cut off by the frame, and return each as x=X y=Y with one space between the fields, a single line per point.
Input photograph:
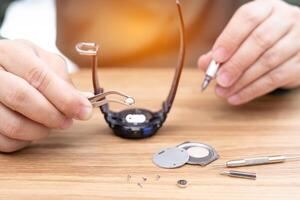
x=140 y=33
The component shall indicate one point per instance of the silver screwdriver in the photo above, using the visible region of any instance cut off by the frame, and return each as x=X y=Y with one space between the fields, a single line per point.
x=261 y=160
x=239 y=174
x=210 y=74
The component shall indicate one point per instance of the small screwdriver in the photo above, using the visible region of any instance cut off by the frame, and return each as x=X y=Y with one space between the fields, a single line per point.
x=210 y=74
x=262 y=160
x=239 y=174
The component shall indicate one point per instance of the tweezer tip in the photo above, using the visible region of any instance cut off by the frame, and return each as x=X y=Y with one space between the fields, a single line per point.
x=130 y=101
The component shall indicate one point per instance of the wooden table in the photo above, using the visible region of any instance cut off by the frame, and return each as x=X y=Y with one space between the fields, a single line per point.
x=89 y=162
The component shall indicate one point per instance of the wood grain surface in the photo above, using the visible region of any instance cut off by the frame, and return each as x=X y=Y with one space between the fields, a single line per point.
x=89 y=162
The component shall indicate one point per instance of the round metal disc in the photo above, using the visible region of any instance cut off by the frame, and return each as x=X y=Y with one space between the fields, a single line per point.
x=182 y=183
x=199 y=154
x=171 y=158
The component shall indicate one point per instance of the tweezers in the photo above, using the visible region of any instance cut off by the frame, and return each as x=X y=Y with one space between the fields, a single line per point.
x=101 y=99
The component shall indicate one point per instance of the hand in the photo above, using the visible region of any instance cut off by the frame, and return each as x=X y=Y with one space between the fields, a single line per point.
x=36 y=95
x=259 y=51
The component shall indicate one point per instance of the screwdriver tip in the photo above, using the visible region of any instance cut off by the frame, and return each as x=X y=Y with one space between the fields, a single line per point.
x=225 y=173
x=205 y=84
x=203 y=88
x=219 y=166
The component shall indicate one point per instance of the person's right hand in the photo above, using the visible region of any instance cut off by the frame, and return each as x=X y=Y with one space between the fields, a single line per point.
x=36 y=95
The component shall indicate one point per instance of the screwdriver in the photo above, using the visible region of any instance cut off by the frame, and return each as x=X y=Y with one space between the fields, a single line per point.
x=239 y=174
x=210 y=74
x=261 y=160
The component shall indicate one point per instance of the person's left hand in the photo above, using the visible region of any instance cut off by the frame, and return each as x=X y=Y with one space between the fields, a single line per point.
x=259 y=51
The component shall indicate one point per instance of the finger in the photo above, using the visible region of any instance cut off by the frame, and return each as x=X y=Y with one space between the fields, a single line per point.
x=2 y=68
x=16 y=126
x=295 y=82
x=87 y=94
x=274 y=57
x=204 y=61
x=245 y=20
x=269 y=82
x=21 y=97
x=255 y=45
x=8 y=145
x=36 y=72
x=56 y=62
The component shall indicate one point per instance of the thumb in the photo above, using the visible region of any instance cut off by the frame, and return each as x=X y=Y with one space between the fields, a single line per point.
x=204 y=61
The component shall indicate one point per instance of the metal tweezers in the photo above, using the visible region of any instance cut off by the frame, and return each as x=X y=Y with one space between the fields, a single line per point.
x=101 y=99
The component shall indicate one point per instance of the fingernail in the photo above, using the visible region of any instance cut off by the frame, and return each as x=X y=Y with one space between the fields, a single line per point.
x=224 y=79
x=234 y=100
x=85 y=113
x=220 y=54
x=67 y=123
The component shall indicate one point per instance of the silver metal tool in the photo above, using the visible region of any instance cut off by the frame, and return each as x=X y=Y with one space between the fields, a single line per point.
x=101 y=99
x=261 y=160
x=210 y=74
x=140 y=185
x=239 y=174
x=157 y=177
x=199 y=153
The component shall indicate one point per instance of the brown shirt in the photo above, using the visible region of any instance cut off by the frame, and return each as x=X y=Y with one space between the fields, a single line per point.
x=141 y=33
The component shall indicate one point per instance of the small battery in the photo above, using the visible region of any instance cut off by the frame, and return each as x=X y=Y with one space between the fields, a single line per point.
x=182 y=183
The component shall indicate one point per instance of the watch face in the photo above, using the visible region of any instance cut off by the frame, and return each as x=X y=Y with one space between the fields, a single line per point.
x=135 y=123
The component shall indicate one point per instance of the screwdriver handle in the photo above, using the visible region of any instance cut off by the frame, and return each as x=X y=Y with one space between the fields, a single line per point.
x=212 y=69
x=256 y=161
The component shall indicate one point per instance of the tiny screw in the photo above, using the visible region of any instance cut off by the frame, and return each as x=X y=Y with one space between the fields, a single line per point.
x=128 y=178
x=144 y=179
x=140 y=185
x=157 y=177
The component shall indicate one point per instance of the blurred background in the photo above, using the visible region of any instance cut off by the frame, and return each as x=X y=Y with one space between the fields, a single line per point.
x=33 y=20
x=130 y=32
